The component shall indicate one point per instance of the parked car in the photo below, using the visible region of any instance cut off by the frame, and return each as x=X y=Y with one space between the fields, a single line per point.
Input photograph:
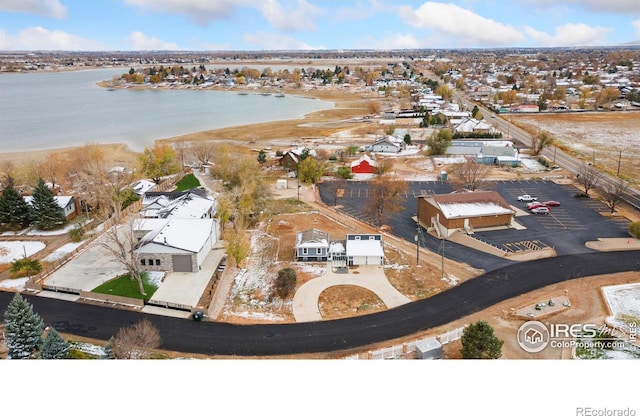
x=540 y=210
x=551 y=204
x=532 y=205
x=527 y=198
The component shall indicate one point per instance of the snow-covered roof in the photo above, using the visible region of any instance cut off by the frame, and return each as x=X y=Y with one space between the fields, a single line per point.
x=477 y=209
x=184 y=234
x=142 y=186
x=470 y=204
x=187 y=206
x=364 y=248
x=312 y=238
x=62 y=201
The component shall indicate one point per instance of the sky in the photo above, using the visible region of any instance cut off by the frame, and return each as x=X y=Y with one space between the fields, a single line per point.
x=250 y=25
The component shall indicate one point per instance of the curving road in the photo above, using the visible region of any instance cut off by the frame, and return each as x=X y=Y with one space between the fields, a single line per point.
x=326 y=336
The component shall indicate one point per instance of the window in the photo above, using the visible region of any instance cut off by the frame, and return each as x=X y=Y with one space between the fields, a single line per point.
x=150 y=262
x=357 y=237
x=157 y=262
x=305 y=251
x=372 y=237
x=143 y=262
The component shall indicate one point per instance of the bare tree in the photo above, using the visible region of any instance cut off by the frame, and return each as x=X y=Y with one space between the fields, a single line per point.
x=588 y=177
x=613 y=192
x=203 y=152
x=470 y=175
x=386 y=198
x=121 y=244
x=181 y=148
x=136 y=341
x=540 y=141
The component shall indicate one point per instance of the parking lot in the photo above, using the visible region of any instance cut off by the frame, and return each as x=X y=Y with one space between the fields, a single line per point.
x=566 y=228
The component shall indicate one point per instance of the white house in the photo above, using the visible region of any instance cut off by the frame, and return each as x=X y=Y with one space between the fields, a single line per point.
x=174 y=245
x=387 y=144
x=178 y=205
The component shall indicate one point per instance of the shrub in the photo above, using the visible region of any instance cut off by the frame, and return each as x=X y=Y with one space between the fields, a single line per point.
x=344 y=172
x=634 y=229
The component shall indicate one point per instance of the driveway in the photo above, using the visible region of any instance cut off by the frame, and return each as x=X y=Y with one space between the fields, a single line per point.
x=305 y=300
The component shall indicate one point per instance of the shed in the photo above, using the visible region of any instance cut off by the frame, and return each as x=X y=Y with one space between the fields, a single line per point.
x=429 y=349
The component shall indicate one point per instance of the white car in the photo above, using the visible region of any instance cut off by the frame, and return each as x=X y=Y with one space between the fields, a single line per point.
x=527 y=198
x=540 y=210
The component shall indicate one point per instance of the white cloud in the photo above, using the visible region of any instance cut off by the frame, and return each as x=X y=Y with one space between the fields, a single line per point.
x=39 y=38
x=274 y=41
x=46 y=8
x=141 y=42
x=571 y=34
x=463 y=26
x=288 y=18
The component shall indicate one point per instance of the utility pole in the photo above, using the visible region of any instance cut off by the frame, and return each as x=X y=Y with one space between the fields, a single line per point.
x=418 y=239
x=619 y=159
x=442 y=265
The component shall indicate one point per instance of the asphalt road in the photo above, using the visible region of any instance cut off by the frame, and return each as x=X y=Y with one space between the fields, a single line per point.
x=282 y=339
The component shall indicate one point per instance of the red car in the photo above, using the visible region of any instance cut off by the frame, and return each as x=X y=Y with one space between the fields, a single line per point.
x=551 y=204
x=533 y=205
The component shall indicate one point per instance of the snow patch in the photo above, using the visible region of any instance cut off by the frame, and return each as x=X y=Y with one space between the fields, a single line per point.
x=14 y=284
x=62 y=252
x=624 y=301
x=17 y=249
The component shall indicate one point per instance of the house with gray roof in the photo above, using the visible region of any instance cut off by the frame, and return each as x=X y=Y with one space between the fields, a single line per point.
x=312 y=245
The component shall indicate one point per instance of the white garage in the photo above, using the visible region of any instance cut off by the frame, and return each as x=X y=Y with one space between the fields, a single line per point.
x=364 y=249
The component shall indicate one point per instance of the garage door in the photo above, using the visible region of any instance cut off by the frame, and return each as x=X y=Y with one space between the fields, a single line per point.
x=182 y=264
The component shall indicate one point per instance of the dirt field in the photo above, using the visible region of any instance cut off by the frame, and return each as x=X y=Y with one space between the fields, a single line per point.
x=604 y=137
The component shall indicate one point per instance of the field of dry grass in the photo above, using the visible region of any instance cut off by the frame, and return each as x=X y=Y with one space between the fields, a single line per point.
x=603 y=137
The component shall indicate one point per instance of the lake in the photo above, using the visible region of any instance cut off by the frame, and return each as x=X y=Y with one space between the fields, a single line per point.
x=60 y=109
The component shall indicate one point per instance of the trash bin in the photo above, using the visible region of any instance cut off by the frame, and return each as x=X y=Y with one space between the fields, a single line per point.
x=197 y=316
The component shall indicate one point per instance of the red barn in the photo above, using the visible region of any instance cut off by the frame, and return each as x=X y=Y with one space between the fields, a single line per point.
x=364 y=165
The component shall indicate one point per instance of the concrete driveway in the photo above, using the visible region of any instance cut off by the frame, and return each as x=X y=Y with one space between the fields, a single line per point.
x=305 y=300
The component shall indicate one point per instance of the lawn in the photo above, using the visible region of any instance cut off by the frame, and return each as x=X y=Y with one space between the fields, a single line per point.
x=124 y=286
x=189 y=181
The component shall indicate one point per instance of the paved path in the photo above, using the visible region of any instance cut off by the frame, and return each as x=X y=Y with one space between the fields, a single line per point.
x=305 y=300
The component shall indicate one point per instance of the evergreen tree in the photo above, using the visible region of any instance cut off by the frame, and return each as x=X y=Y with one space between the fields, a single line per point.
x=478 y=341
x=46 y=213
x=262 y=157
x=108 y=349
x=14 y=210
x=54 y=347
x=23 y=329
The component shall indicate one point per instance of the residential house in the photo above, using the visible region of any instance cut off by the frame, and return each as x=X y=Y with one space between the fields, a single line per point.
x=312 y=245
x=66 y=203
x=388 y=144
x=175 y=244
x=470 y=126
x=188 y=204
x=499 y=155
x=447 y=213
x=364 y=165
x=142 y=186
